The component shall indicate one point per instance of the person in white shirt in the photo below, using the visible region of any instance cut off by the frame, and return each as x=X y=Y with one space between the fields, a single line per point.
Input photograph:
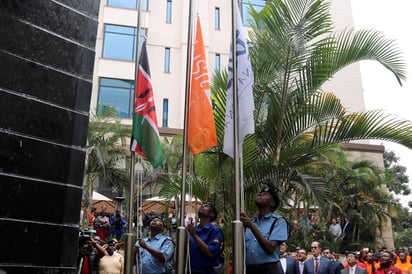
x=335 y=228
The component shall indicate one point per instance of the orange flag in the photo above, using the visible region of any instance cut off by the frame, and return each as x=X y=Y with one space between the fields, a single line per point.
x=201 y=124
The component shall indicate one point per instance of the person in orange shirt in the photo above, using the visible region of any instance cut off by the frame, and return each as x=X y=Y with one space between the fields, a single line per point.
x=363 y=252
x=92 y=217
x=403 y=264
x=409 y=257
x=370 y=263
x=396 y=253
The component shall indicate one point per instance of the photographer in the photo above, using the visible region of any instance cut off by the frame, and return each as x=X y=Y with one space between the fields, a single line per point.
x=111 y=261
x=88 y=260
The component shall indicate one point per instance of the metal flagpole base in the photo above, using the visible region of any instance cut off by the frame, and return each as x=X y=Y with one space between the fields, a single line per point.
x=181 y=237
x=238 y=248
x=128 y=254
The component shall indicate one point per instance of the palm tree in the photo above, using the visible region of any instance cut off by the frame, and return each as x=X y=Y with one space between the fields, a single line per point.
x=293 y=53
x=106 y=154
x=298 y=126
x=358 y=191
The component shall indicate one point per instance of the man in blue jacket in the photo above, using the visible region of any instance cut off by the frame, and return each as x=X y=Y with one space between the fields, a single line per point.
x=317 y=264
x=288 y=264
x=206 y=240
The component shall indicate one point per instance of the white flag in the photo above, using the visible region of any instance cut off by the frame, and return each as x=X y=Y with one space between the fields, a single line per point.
x=245 y=93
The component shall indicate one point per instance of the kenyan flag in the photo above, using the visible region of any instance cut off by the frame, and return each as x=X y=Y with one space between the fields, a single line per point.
x=145 y=133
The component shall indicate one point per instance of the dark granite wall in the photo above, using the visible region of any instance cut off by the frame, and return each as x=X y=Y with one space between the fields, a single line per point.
x=46 y=68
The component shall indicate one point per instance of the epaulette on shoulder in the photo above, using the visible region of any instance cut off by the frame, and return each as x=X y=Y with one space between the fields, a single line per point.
x=280 y=220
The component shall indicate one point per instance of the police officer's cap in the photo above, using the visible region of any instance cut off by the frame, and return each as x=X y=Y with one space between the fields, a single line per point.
x=272 y=193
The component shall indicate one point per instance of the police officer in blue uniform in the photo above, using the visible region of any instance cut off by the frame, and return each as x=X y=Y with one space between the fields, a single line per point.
x=154 y=251
x=206 y=240
x=264 y=234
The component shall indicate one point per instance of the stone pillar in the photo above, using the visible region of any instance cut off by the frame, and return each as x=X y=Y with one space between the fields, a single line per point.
x=46 y=67
x=387 y=234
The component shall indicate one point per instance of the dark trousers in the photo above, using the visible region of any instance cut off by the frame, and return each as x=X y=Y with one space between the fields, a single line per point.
x=268 y=268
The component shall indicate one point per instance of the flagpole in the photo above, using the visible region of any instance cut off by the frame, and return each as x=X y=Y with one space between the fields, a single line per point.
x=181 y=230
x=128 y=258
x=238 y=243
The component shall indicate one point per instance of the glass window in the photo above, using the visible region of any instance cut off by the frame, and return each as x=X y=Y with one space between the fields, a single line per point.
x=165 y=112
x=120 y=42
x=169 y=11
x=145 y=5
x=167 y=60
x=128 y=4
x=217 y=62
x=116 y=94
x=257 y=5
x=217 y=18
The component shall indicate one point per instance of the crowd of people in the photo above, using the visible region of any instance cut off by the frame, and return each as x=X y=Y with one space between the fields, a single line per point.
x=106 y=225
x=325 y=261
x=266 y=249
x=154 y=253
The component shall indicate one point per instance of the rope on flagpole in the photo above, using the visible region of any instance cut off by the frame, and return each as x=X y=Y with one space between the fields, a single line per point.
x=139 y=204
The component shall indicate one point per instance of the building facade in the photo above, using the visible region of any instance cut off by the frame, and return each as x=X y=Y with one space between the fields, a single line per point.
x=164 y=24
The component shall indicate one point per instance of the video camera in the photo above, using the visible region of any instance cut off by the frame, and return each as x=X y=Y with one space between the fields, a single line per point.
x=86 y=234
x=84 y=237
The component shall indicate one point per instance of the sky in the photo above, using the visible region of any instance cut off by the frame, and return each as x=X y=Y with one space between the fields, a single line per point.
x=381 y=89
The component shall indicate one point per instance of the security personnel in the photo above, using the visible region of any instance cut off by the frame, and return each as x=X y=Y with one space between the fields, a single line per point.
x=264 y=234
x=206 y=241
x=154 y=251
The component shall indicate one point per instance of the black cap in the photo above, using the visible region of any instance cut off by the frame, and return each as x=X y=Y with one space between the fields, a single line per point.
x=272 y=193
x=156 y=217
